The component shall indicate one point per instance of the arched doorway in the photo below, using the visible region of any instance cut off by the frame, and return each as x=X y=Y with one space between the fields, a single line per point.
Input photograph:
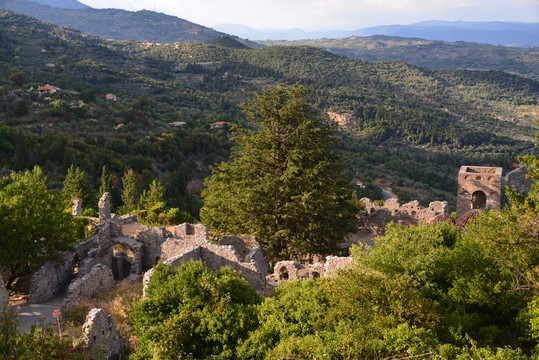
x=479 y=200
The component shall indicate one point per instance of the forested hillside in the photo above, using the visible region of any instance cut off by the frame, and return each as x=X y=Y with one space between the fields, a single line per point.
x=523 y=61
x=410 y=130
x=115 y=23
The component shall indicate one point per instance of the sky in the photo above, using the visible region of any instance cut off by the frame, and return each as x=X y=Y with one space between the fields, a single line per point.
x=313 y=15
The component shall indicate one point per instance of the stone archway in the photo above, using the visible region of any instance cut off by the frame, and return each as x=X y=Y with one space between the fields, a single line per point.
x=479 y=200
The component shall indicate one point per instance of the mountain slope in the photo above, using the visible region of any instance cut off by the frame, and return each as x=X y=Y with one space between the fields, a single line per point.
x=432 y=54
x=117 y=24
x=410 y=127
x=63 y=4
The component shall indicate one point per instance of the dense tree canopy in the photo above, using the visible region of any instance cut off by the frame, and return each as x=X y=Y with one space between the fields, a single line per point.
x=285 y=183
x=34 y=223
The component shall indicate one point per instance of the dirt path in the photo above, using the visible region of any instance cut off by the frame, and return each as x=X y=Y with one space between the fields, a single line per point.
x=30 y=314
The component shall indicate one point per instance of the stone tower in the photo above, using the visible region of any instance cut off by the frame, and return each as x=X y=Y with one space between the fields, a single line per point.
x=480 y=187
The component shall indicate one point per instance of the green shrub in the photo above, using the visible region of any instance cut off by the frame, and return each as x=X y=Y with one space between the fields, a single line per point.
x=194 y=312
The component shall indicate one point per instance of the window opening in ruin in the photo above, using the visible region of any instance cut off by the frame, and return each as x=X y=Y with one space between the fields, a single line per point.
x=479 y=200
x=315 y=275
x=479 y=178
x=189 y=229
x=119 y=248
x=414 y=213
x=283 y=274
x=75 y=265
x=372 y=210
x=396 y=211
x=157 y=258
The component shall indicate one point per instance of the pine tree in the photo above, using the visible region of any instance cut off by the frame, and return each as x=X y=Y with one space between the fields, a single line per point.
x=129 y=192
x=77 y=185
x=106 y=180
x=155 y=195
x=285 y=183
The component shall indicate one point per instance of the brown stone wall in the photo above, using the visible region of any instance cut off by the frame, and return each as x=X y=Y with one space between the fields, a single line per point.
x=479 y=179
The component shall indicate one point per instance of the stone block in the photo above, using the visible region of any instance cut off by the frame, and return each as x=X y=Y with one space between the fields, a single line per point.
x=100 y=335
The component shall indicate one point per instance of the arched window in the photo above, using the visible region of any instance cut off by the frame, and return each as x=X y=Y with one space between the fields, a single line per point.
x=479 y=200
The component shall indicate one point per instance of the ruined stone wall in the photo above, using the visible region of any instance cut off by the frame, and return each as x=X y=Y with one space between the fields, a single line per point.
x=4 y=296
x=336 y=263
x=375 y=223
x=137 y=249
x=284 y=271
x=475 y=182
x=412 y=208
x=100 y=335
x=50 y=278
x=152 y=240
x=252 y=265
x=191 y=232
x=82 y=289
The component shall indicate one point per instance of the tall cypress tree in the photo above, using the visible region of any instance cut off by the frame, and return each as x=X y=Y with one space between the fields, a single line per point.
x=285 y=183
x=129 y=193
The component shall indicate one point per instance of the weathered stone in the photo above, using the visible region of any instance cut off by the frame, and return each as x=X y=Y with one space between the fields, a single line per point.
x=97 y=280
x=479 y=187
x=4 y=296
x=152 y=239
x=104 y=207
x=50 y=278
x=412 y=208
x=76 y=210
x=336 y=263
x=191 y=232
x=100 y=335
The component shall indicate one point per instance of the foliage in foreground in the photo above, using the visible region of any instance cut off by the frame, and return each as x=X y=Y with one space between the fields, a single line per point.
x=193 y=312
x=39 y=343
x=34 y=223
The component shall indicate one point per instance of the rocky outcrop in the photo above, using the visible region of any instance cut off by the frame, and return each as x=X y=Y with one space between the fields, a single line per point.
x=100 y=335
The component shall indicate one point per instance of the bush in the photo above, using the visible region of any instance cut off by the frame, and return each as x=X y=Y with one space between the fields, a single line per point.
x=194 y=312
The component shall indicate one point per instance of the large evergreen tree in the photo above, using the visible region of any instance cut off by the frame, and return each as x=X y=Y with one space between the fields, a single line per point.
x=285 y=182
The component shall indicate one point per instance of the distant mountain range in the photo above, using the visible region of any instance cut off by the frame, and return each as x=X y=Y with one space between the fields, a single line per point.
x=496 y=33
x=429 y=53
x=115 y=23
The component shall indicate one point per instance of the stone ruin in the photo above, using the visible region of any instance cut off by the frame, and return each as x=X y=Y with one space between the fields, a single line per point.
x=285 y=271
x=479 y=187
x=4 y=296
x=76 y=210
x=416 y=211
x=100 y=335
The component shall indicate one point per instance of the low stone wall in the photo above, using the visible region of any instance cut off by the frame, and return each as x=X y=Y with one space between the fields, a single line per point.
x=51 y=278
x=100 y=335
x=99 y=279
